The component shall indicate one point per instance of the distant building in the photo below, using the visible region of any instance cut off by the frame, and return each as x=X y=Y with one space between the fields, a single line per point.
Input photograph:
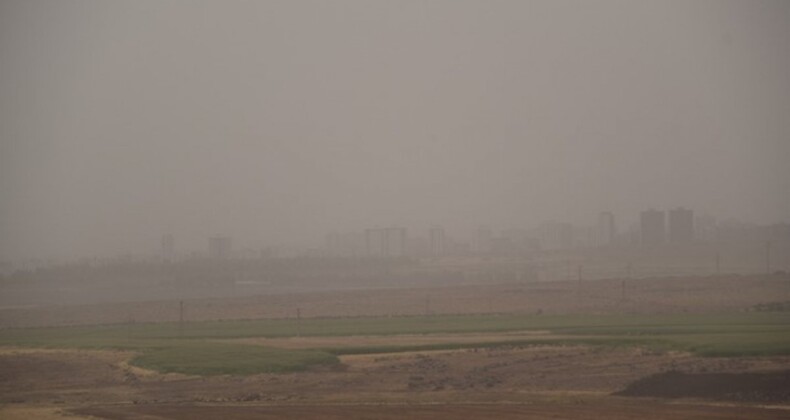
x=333 y=244
x=350 y=244
x=681 y=225
x=395 y=241
x=705 y=228
x=482 y=243
x=417 y=246
x=556 y=236
x=220 y=247
x=520 y=241
x=652 y=225
x=502 y=245
x=734 y=231
x=168 y=247
x=584 y=236
x=437 y=240
x=375 y=242
x=385 y=242
x=606 y=231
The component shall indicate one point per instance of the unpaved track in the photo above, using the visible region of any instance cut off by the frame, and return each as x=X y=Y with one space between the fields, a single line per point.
x=605 y=409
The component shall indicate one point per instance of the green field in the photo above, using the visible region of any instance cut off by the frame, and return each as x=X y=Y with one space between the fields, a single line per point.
x=208 y=358
x=198 y=348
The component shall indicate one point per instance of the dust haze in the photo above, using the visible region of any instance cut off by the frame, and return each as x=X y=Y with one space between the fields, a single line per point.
x=394 y=209
x=278 y=122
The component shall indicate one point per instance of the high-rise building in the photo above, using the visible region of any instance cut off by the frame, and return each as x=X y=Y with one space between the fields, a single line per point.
x=653 y=227
x=219 y=247
x=705 y=228
x=333 y=243
x=681 y=225
x=519 y=240
x=168 y=247
x=386 y=242
x=482 y=244
x=374 y=242
x=396 y=241
x=437 y=240
x=556 y=236
x=347 y=244
x=584 y=236
x=606 y=230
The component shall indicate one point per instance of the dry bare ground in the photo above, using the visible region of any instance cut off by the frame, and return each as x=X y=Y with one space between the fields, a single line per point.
x=534 y=382
x=659 y=295
x=505 y=382
x=579 y=410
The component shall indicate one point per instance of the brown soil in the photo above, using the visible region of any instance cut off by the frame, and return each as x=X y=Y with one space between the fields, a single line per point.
x=533 y=382
x=659 y=295
x=578 y=410
x=762 y=387
x=507 y=382
x=57 y=376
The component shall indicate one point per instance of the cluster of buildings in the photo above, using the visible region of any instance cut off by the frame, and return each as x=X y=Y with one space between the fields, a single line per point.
x=387 y=242
x=219 y=247
x=653 y=228
x=656 y=227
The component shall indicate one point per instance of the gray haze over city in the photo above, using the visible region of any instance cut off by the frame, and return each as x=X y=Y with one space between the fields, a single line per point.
x=278 y=122
x=421 y=209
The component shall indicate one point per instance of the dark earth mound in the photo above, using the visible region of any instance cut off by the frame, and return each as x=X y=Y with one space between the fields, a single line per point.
x=768 y=387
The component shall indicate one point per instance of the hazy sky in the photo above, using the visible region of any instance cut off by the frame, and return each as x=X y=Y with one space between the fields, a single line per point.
x=278 y=121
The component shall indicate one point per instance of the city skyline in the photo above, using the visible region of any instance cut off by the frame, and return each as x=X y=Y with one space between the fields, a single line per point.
x=434 y=240
x=107 y=142
x=416 y=209
x=356 y=240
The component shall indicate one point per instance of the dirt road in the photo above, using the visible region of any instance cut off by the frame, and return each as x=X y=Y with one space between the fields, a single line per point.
x=604 y=409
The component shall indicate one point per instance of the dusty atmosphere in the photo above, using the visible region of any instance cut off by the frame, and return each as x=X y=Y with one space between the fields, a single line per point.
x=394 y=209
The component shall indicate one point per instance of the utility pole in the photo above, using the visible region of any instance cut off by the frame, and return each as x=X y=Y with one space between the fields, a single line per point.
x=718 y=263
x=622 y=291
x=298 y=322
x=768 y=258
x=129 y=326
x=181 y=316
x=427 y=305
